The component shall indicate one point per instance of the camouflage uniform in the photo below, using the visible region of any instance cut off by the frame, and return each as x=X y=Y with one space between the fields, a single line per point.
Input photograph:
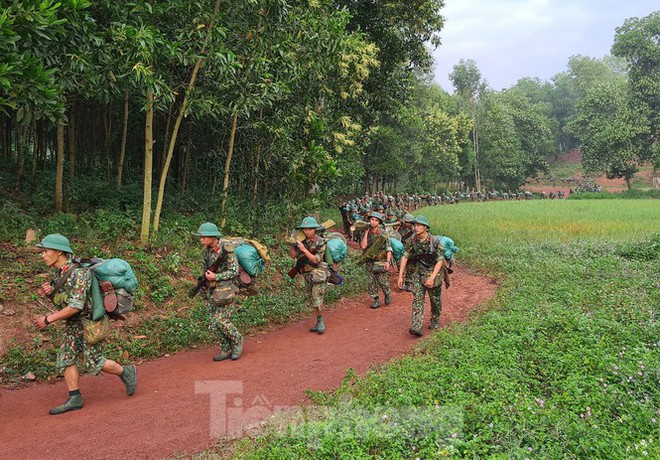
x=220 y=293
x=315 y=291
x=75 y=293
x=377 y=279
x=406 y=233
x=414 y=248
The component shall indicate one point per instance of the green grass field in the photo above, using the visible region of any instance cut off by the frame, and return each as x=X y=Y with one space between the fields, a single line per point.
x=564 y=362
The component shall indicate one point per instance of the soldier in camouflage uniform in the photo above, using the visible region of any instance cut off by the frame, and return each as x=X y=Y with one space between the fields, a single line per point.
x=70 y=292
x=407 y=231
x=312 y=262
x=220 y=290
x=379 y=262
x=425 y=252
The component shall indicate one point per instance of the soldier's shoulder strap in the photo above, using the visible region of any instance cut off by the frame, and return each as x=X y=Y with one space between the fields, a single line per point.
x=63 y=279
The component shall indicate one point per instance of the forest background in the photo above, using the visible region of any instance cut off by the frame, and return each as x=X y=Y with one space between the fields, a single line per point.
x=254 y=113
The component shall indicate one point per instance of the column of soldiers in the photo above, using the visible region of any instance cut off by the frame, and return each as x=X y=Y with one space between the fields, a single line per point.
x=70 y=288
x=358 y=208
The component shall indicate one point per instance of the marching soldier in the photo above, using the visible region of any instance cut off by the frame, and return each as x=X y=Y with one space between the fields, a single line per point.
x=313 y=266
x=425 y=252
x=378 y=254
x=407 y=231
x=70 y=293
x=220 y=270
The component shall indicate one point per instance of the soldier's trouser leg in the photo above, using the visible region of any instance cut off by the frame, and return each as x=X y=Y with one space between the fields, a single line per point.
x=435 y=295
x=372 y=282
x=384 y=283
x=419 y=290
x=224 y=329
x=74 y=346
x=316 y=296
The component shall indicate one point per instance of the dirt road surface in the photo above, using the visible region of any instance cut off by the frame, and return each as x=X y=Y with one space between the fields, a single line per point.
x=185 y=401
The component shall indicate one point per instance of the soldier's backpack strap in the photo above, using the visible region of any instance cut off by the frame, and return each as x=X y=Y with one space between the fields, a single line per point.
x=62 y=280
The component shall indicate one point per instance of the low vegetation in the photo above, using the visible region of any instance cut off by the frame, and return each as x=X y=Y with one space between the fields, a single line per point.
x=563 y=363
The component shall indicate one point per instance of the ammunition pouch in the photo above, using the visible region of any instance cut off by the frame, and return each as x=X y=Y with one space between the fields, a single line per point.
x=319 y=275
x=223 y=292
x=378 y=267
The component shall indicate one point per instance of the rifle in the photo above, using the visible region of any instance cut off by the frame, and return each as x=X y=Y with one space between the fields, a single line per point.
x=300 y=263
x=374 y=251
x=202 y=282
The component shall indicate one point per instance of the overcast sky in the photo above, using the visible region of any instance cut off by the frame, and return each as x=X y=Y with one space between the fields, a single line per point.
x=512 y=39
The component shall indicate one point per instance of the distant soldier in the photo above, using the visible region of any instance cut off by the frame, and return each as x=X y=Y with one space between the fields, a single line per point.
x=312 y=264
x=220 y=270
x=70 y=292
x=378 y=255
x=425 y=252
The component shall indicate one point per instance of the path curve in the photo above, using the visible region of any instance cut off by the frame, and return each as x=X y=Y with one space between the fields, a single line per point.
x=185 y=401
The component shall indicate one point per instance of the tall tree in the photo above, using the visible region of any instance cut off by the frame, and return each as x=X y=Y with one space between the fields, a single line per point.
x=637 y=41
x=466 y=79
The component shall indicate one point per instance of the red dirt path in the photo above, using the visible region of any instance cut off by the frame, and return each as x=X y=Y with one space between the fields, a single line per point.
x=172 y=411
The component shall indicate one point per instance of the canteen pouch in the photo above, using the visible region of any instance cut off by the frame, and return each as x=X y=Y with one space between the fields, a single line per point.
x=378 y=267
x=96 y=331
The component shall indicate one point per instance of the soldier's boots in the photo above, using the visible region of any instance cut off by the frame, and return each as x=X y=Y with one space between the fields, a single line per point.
x=129 y=377
x=388 y=298
x=319 y=327
x=222 y=356
x=74 y=402
x=237 y=350
x=376 y=303
x=415 y=332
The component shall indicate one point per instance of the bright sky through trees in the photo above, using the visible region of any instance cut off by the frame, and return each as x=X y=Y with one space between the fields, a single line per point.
x=512 y=39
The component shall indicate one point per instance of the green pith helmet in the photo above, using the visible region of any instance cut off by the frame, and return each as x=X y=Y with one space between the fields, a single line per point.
x=57 y=242
x=422 y=220
x=308 y=222
x=409 y=218
x=377 y=215
x=208 y=229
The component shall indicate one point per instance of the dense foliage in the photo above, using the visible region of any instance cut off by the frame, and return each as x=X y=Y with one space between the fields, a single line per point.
x=254 y=110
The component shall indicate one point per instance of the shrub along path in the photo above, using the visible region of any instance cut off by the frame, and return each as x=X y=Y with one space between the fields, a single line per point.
x=185 y=401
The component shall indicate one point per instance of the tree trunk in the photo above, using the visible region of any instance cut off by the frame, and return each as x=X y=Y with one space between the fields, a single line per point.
x=148 y=164
x=35 y=150
x=4 y=132
x=628 y=183
x=21 y=145
x=185 y=164
x=255 y=187
x=122 y=147
x=59 y=170
x=225 y=186
x=72 y=142
x=107 y=142
x=179 y=118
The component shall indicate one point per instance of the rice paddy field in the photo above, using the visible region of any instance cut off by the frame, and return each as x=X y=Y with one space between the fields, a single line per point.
x=564 y=362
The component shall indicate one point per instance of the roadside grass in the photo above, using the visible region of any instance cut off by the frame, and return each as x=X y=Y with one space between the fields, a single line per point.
x=563 y=363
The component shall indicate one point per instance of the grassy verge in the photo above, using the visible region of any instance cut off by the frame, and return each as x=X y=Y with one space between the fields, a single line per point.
x=563 y=364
